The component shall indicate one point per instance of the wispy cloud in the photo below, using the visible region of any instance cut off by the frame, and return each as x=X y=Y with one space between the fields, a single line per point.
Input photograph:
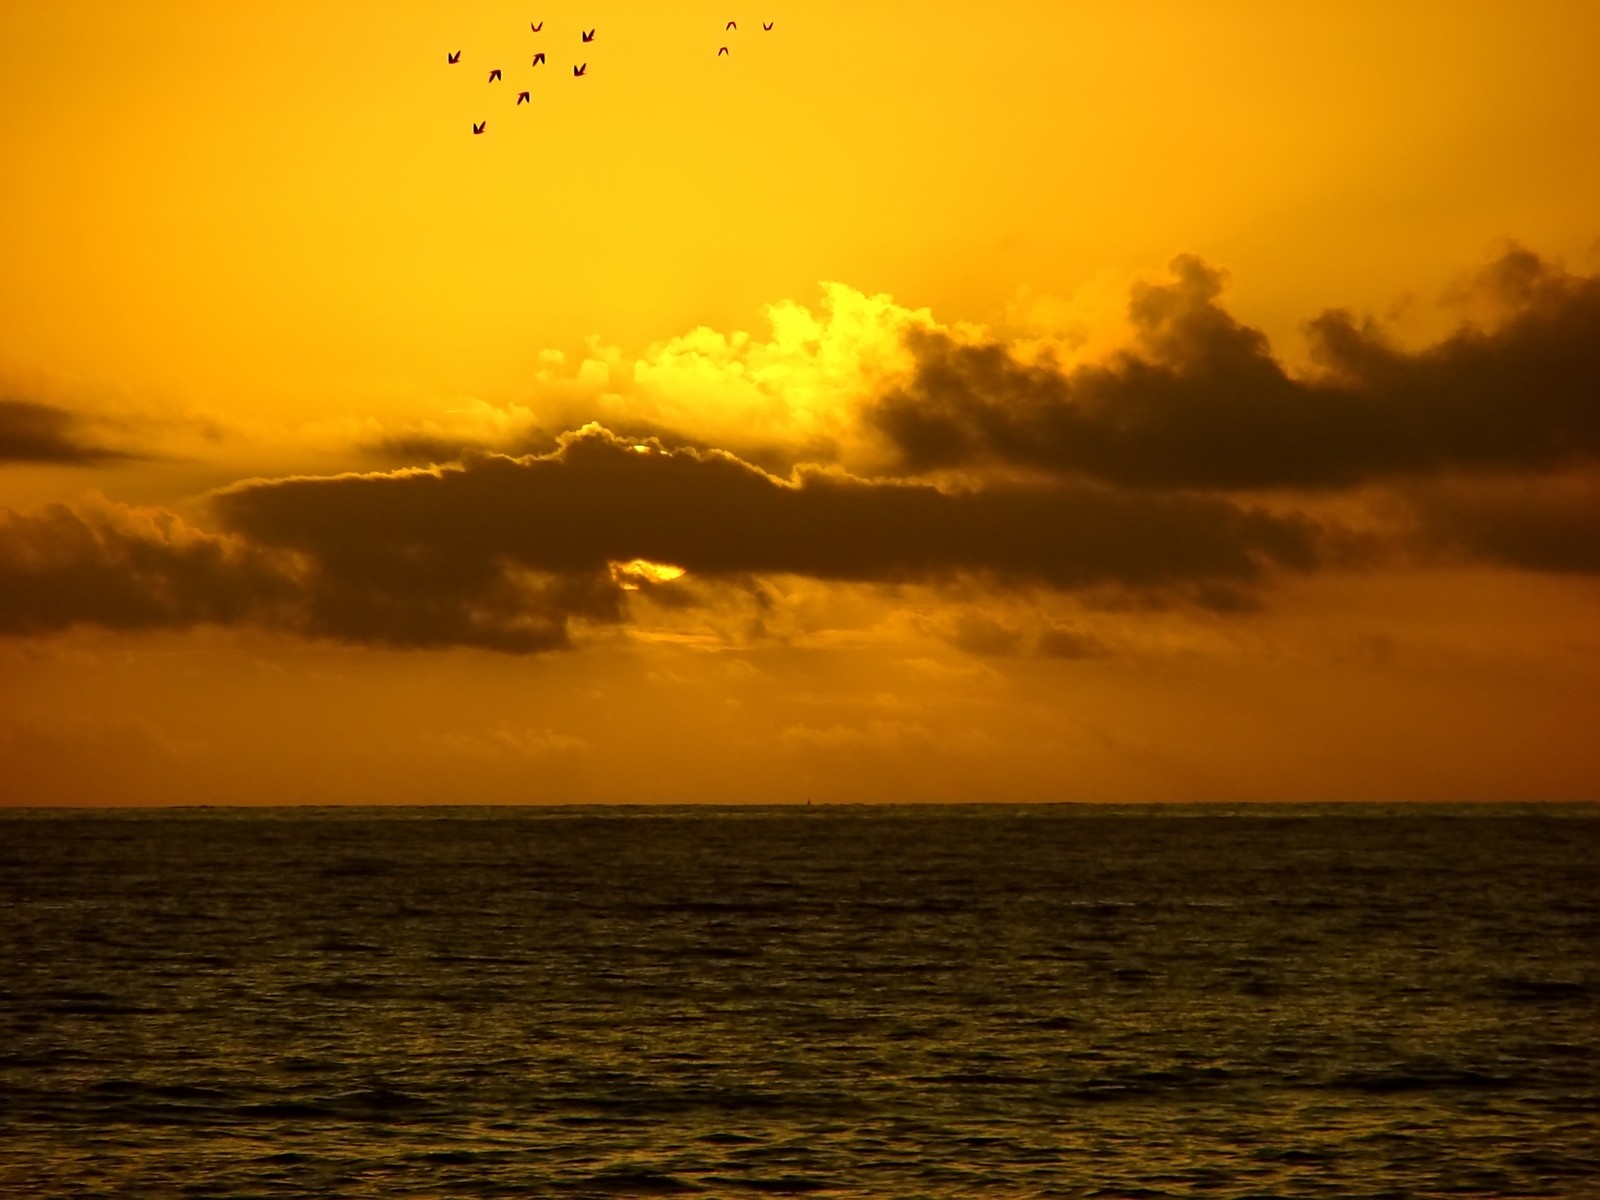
x=31 y=432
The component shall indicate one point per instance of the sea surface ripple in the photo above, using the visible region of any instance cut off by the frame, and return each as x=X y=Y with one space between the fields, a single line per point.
x=831 y=1002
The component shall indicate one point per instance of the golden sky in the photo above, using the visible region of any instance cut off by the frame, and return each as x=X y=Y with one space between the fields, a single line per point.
x=1148 y=401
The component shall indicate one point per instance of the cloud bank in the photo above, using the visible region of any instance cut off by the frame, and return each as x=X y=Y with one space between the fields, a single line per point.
x=1191 y=468
x=1201 y=402
x=600 y=498
x=502 y=553
x=120 y=567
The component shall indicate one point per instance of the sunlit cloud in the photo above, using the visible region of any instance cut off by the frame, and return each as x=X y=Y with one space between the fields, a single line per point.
x=1201 y=401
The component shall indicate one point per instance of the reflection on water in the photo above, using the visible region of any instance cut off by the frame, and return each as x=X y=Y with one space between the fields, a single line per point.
x=840 y=1002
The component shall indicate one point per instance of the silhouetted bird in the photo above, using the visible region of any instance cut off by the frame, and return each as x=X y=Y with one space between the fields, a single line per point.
x=494 y=74
x=536 y=28
x=477 y=126
x=589 y=37
x=522 y=97
x=721 y=52
x=577 y=71
x=731 y=25
x=538 y=58
x=767 y=25
x=452 y=58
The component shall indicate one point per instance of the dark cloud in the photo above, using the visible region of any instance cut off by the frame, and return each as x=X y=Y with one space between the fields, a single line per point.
x=1202 y=403
x=42 y=433
x=599 y=499
x=1550 y=525
x=980 y=634
x=401 y=600
x=143 y=569
x=504 y=553
x=1063 y=641
x=124 y=568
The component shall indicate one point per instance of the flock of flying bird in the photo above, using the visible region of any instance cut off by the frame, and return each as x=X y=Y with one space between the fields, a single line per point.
x=453 y=58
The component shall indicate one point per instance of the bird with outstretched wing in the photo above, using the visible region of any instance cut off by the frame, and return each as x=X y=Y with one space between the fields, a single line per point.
x=536 y=28
x=479 y=126
x=494 y=74
x=589 y=37
x=722 y=51
x=578 y=72
x=452 y=58
x=538 y=58
x=522 y=98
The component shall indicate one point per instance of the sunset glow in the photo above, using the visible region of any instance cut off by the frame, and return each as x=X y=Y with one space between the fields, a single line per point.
x=1052 y=402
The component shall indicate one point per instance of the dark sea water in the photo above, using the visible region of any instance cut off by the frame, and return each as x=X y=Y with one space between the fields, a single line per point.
x=829 y=1002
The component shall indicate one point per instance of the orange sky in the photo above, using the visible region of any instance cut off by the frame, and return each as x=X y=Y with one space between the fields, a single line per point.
x=968 y=361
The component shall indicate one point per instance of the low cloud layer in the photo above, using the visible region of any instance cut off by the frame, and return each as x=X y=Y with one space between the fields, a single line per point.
x=502 y=553
x=1201 y=402
x=601 y=499
x=118 y=567
x=1547 y=525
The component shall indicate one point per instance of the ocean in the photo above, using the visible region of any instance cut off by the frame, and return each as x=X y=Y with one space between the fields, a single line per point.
x=863 y=1002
